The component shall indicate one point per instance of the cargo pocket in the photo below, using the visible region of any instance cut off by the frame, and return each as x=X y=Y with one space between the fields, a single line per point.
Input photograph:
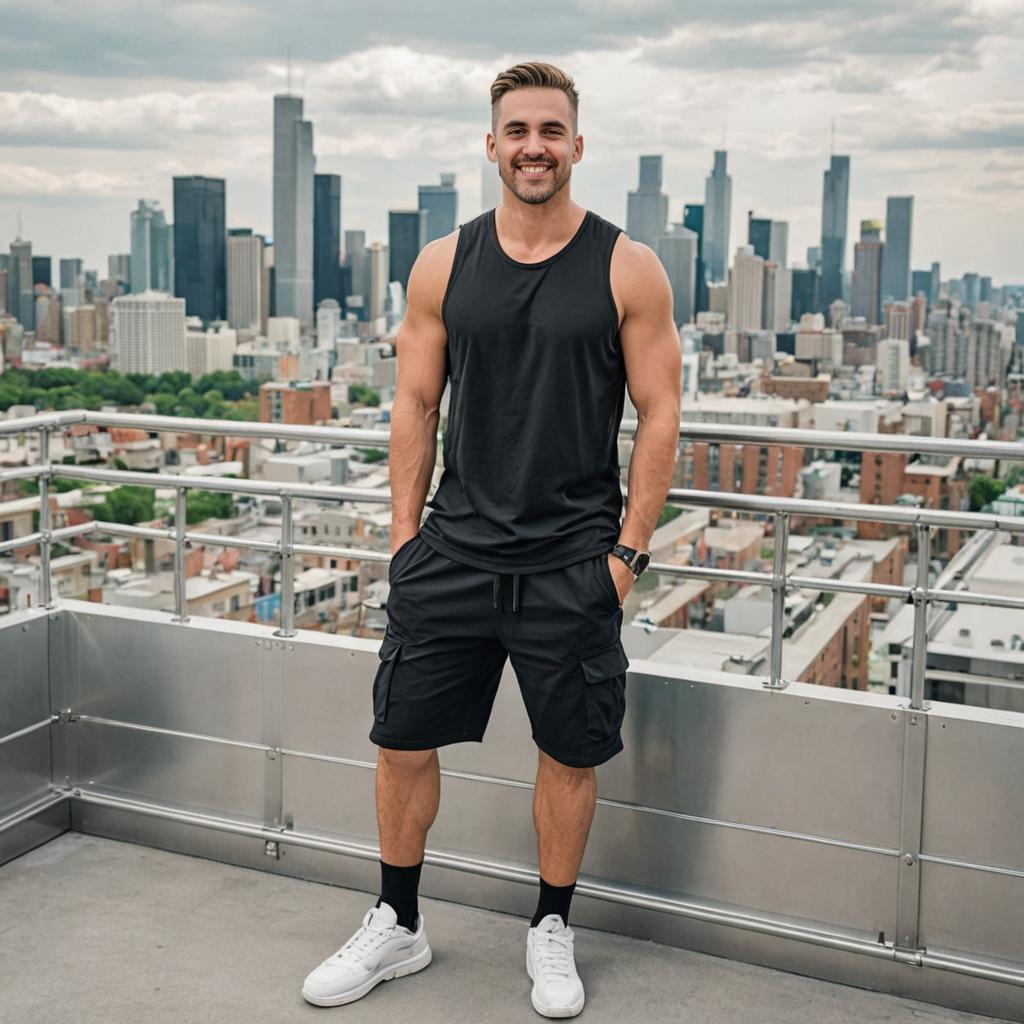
x=389 y=652
x=604 y=670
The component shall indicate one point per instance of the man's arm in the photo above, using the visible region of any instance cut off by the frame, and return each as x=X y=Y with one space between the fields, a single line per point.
x=650 y=345
x=421 y=353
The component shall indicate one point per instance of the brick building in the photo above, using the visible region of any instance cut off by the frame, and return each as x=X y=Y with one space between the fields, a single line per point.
x=307 y=402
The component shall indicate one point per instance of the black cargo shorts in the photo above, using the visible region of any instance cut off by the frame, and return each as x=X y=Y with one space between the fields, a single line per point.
x=450 y=629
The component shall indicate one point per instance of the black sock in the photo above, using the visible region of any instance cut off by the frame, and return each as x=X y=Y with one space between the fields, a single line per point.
x=553 y=899
x=399 y=888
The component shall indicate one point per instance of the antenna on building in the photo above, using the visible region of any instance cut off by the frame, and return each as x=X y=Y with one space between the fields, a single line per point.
x=19 y=225
x=289 y=69
x=832 y=138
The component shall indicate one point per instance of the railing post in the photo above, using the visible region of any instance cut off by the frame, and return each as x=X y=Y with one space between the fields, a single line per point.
x=287 y=627
x=180 y=601
x=45 y=524
x=919 y=650
x=775 y=680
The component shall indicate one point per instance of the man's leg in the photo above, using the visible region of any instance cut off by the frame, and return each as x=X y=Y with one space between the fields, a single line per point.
x=563 y=808
x=408 y=793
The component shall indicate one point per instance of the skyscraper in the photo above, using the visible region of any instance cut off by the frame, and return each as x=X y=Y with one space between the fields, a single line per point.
x=119 y=268
x=835 y=203
x=759 y=234
x=866 y=290
x=677 y=251
x=376 y=280
x=407 y=234
x=72 y=283
x=327 y=238
x=355 y=264
x=442 y=205
x=42 y=270
x=778 y=251
x=293 y=210
x=776 y=297
x=245 y=278
x=899 y=216
x=20 y=300
x=152 y=247
x=693 y=218
x=647 y=207
x=200 y=244
x=746 y=290
x=933 y=295
x=717 y=210
x=806 y=293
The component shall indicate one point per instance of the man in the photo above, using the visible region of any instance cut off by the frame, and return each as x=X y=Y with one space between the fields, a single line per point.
x=539 y=314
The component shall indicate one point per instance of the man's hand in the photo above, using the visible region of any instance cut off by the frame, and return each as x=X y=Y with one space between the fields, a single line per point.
x=621 y=575
x=401 y=540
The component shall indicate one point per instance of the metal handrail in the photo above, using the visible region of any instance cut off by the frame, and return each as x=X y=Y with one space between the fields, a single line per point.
x=923 y=521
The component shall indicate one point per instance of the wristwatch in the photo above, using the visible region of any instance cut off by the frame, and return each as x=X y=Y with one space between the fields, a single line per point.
x=636 y=561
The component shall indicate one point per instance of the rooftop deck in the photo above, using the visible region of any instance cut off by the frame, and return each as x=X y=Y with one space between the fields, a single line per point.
x=94 y=931
x=842 y=835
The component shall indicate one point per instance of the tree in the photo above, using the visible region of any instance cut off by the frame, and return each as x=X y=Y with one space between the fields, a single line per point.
x=129 y=504
x=983 y=490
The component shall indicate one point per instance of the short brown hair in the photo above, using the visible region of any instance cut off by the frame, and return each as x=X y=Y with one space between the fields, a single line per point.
x=534 y=73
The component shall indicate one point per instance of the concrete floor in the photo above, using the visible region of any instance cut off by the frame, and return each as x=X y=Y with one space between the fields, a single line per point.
x=93 y=930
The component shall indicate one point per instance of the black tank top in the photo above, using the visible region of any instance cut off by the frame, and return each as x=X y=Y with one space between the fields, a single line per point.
x=537 y=378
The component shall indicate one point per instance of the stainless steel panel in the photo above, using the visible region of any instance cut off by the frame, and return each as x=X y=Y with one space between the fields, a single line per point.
x=199 y=676
x=204 y=776
x=24 y=770
x=39 y=829
x=974 y=911
x=24 y=673
x=974 y=787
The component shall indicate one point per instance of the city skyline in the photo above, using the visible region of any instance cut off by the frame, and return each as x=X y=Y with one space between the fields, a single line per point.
x=916 y=96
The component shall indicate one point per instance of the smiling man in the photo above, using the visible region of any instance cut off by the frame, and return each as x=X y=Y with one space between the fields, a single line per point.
x=539 y=314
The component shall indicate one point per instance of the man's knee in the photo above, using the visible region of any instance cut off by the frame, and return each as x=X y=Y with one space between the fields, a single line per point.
x=411 y=761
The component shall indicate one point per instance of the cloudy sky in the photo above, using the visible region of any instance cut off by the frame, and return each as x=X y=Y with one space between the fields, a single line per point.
x=101 y=103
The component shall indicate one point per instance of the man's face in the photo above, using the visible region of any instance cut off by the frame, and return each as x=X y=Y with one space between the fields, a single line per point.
x=534 y=145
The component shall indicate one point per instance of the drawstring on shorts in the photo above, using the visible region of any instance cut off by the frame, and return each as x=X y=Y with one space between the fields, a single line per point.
x=515 y=590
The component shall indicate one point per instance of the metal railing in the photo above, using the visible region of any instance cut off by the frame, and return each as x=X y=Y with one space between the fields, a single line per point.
x=780 y=510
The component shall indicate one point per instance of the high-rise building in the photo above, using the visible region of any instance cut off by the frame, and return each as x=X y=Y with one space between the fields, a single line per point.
x=119 y=268
x=933 y=294
x=806 y=293
x=920 y=282
x=376 y=280
x=866 y=291
x=442 y=205
x=72 y=283
x=972 y=290
x=899 y=216
x=759 y=235
x=407 y=234
x=647 y=207
x=746 y=290
x=152 y=248
x=776 y=297
x=293 y=210
x=355 y=264
x=985 y=289
x=80 y=331
x=677 y=251
x=717 y=211
x=893 y=356
x=42 y=271
x=245 y=279
x=778 y=251
x=835 y=203
x=20 y=295
x=326 y=238
x=147 y=331
x=898 y=319
x=200 y=247
x=693 y=218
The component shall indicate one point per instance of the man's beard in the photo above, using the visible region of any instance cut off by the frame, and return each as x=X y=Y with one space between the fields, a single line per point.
x=534 y=194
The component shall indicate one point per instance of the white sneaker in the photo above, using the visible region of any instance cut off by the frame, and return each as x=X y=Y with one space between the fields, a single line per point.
x=381 y=950
x=557 y=989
